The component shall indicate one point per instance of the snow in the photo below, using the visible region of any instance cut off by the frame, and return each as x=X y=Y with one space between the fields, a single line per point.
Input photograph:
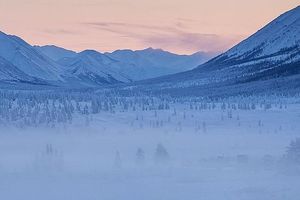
x=233 y=148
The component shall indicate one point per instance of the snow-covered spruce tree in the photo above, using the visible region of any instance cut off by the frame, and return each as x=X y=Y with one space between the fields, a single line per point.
x=118 y=161
x=293 y=151
x=140 y=157
x=51 y=159
x=161 y=155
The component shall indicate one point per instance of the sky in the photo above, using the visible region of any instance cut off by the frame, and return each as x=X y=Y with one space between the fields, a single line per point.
x=180 y=26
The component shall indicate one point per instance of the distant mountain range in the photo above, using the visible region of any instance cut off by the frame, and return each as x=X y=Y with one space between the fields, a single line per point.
x=51 y=65
x=268 y=61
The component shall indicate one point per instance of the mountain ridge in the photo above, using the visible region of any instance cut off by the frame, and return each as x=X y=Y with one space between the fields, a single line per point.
x=272 y=53
x=54 y=64
x=22 y=55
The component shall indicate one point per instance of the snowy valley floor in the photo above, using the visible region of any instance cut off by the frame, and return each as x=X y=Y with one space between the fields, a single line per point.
x=204 y=154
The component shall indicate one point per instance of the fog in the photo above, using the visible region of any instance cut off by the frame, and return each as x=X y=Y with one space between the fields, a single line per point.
x=188 y=150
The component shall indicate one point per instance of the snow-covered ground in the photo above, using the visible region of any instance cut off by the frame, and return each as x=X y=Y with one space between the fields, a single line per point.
x=192 y=151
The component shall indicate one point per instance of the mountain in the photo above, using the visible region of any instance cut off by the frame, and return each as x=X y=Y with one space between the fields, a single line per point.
x=272 y=47
x=91 y=67
x=61 y=67
x=34 y=65
x=28 y=60
x=263 y=62
x=55 y=53
x=135 y=65
x=150 y=63
x=121 y=65
x=281 y=36
x=125 y=66
x=11 y=74
x=266 y=61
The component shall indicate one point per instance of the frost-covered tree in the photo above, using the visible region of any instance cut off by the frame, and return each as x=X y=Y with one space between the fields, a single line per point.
x=204 y=127
x=51 y=159
x=118 y=161
x=140 y=156
x=161 y=154
x=293 y=151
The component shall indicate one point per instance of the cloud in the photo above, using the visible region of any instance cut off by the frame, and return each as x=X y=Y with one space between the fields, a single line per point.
x=117 y=26
x=168 y=37
x=193 y=41
x=61 y=32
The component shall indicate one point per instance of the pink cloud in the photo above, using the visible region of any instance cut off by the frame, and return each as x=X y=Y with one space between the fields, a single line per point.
x=168 y=37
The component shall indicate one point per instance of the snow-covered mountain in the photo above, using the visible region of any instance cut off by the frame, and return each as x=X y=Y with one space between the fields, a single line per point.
x=88 y=68
x=150 y=63
x=91 y=67
x=135 y=65
x=31 y=62
x=270 y=55
x=280 y=36
x=11 y=74
x=127 y=65
x=276 y=44
x=273 y=53
x=61 y=67
x=55 y=53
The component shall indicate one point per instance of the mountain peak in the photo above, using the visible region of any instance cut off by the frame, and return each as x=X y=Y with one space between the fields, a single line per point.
x=296 y=9
x=55 y=53
x=122 y=51
x=281 y=33
x=25 y=57
x=151 y=49
x=2 y=33
x=89 y=52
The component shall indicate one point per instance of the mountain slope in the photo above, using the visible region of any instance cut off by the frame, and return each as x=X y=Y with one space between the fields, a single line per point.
x=10 y=73
x=55 y=53
x=27 y=59
x=150 y=63
x=127 y=65
x=62 y=67
x=271 y=54
x=276 y=44
x=134 y=65
x=92 y=67
x=279 y=35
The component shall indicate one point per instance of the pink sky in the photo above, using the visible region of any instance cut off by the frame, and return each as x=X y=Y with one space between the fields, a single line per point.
x=181 y=26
